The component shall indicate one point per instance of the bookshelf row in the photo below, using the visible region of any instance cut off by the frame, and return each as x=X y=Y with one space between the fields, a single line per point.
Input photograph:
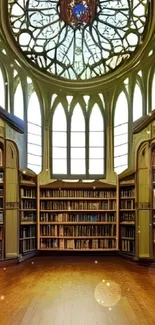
x=80 y=205
x=89 y=194
x=78 y=231
x=77 y=217
x=82 y=215
x=153 y=198
x=92 y=244
x=2 y=206
x=89 y=217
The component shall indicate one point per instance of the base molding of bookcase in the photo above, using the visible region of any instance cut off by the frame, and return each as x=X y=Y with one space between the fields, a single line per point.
x=27 y=256
x=127 y=256
x=77 y=252
x=8 y=262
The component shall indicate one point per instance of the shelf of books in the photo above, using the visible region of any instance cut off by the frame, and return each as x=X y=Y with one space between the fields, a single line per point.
x=78 y=218
x=127 y=212
x=1 y=205
x=28 y=212
x=153 y=198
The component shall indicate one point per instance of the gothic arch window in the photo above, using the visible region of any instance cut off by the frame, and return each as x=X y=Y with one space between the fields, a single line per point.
x=121 y=134
x=78 y=142
x=96 y=142
x=137 y=103
x=2 y=91
x=34 y=134
x=59 y=141
x=19 y=102
x=153 y=93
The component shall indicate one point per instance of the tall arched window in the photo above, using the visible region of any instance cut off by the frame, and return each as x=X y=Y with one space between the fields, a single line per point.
x=121 y=134
x=96 y=142
x=18 y=102
x=2 y=91
x=137 y=104
x=153 y=93
x=34 y=137
x=78 y=159
x=59 y=141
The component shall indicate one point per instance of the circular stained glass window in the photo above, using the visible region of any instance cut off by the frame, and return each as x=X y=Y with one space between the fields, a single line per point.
x=78 y=39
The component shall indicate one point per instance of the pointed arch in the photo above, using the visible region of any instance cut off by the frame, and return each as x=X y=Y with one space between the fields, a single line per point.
x=137 y=103
x=153 y=93
x=59 y=141
x=96 y=142
x=34 y=135
x=121 y=134
x=2 y=92
x=77 y=150
x=19 y=102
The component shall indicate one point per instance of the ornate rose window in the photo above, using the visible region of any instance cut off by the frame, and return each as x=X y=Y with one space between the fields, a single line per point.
x=78 y=39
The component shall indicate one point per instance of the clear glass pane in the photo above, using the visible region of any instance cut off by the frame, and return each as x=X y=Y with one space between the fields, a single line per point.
x=34 y=149
x=96 y=166
x=118 y=140
x=102 y=99
x=86 y=99
x=2 y=92
x=34 y=114
x=96 y=153
x=119 y=170
x=59 y=139
x=34 y=139
x=96 y=119
x=77 y=153
x=137 y=104
x=69 y=99
x=59 y=166
x=78 y=166
x=153 y=93
x=35 y=168
x=54 y=96
x=59 y=153
x=121 y=129
x=77 y=139
x=59 y=119
x=121 y=150
x=121 y=132
x=77 y=120
x=96 y=139
x=35 y=160
x=19 y=102
x=121 y=161
x=34 y=129
x=121 y=110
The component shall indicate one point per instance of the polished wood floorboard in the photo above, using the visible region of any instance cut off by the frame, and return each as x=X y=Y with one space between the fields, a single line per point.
x=77 y=291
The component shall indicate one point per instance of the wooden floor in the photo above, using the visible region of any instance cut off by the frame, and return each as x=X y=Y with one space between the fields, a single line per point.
x=77 y=291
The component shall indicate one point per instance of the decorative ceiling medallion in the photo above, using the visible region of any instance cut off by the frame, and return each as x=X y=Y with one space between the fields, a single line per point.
x=77 y=13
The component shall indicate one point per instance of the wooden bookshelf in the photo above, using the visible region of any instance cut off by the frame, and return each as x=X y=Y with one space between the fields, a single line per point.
x=2 y=200
x=28 y=212
x=127 y=212
x=77 y=218
x=153 y=197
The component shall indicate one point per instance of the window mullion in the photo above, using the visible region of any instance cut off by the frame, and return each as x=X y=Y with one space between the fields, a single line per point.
x=87 y=145
x=68 y=144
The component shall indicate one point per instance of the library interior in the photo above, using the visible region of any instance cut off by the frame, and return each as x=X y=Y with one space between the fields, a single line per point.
x=77 y=162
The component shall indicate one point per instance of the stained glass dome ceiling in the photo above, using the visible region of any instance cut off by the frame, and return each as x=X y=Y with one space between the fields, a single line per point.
x=78 y=39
